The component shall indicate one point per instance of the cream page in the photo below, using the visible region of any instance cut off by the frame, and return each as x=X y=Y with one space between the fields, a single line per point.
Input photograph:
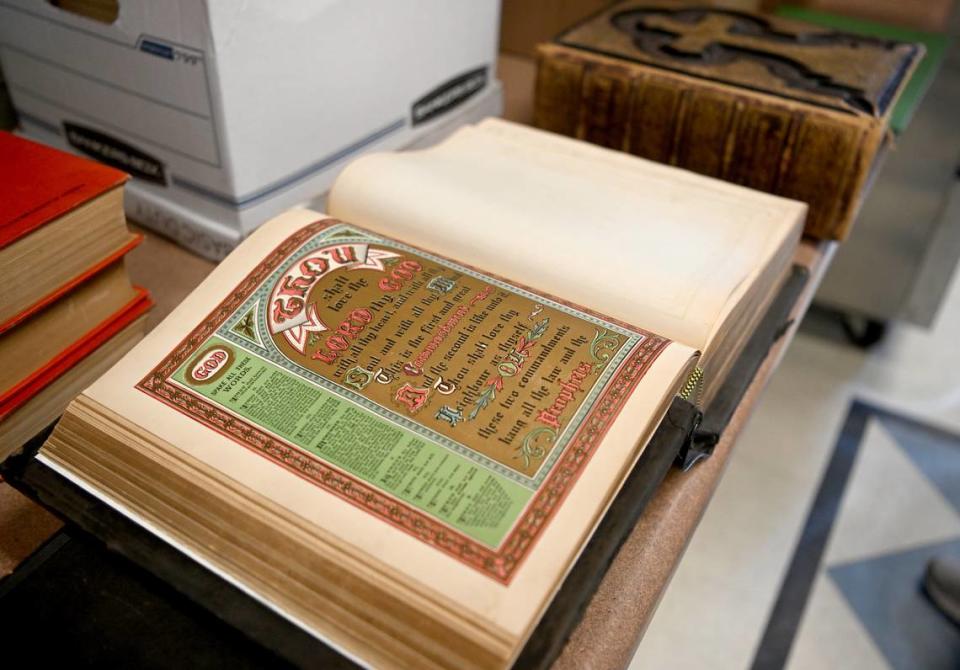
x=658 y=247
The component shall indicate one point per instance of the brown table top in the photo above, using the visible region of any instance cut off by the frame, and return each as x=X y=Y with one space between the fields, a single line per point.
x=628 y=595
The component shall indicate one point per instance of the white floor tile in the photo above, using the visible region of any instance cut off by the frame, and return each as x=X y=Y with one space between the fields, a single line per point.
x=889 y=505
x=831 y=637
x=734 y=565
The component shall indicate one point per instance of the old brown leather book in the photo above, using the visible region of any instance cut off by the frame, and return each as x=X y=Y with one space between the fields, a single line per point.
x=777 y=105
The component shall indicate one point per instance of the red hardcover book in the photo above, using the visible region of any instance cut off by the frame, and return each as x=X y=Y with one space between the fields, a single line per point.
x=63 y=289
x=29 y=386
x=52 y=202
x=67 y=308
x=41 y=184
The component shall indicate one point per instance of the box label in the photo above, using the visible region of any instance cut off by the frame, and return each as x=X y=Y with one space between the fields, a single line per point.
x=115 y=153
x=448 y=95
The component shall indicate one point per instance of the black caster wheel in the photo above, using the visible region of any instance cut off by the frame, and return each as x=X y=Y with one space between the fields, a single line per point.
x=862 y=331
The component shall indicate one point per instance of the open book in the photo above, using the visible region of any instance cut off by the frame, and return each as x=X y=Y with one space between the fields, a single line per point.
x=398 y=427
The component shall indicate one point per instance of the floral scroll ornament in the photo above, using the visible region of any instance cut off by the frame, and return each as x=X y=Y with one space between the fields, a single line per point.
x=246 y=327
x=536 y=444
x=603 y=346
x=509 y=366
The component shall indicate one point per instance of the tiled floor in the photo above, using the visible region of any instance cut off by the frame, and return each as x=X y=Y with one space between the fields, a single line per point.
x=716 y=609
x=888 y=502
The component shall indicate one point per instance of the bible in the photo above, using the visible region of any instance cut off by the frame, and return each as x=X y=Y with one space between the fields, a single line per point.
x=397 y=425
x=770 y=103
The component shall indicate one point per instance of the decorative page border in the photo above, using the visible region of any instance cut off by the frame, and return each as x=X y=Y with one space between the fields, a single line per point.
x=348 y=235
x=501 y=563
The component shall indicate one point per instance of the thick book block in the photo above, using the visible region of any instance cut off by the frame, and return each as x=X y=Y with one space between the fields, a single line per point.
x=402 y=452
x=773 y=104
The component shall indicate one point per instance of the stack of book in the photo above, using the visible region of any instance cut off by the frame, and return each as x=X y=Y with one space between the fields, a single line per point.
x=67 y=308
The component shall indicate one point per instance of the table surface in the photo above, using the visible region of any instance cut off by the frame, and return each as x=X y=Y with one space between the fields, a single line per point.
x=628 y=596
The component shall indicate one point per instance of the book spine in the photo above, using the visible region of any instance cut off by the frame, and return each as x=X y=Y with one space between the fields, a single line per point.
x=822 y=172
x=706 y=132
x=605 y=104
x=558 y=94
x=834 y=177
x=763 y=145
x=791 y=149
x=654 y=108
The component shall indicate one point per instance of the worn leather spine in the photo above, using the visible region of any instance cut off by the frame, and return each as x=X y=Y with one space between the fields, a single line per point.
x=817 y=155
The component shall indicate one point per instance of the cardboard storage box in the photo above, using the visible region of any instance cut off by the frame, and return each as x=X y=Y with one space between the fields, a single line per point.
x=227 y=113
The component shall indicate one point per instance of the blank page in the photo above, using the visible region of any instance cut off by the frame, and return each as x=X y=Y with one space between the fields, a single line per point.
x=655 y=246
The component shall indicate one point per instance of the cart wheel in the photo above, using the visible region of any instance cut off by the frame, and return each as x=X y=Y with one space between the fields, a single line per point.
x=862 y=331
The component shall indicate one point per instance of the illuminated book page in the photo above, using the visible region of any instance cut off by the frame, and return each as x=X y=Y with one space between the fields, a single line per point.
x=464 y=430
x=652 y=245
